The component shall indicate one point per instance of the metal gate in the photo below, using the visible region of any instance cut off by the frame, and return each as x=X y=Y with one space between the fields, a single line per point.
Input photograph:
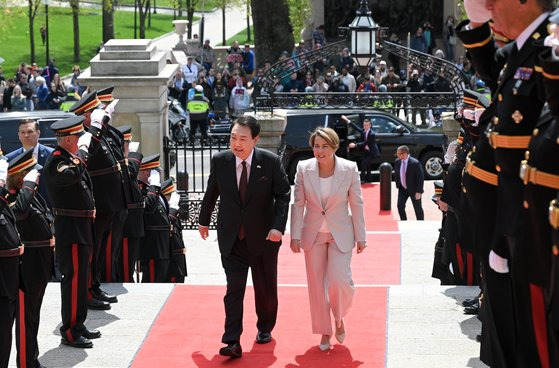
x=190 y=166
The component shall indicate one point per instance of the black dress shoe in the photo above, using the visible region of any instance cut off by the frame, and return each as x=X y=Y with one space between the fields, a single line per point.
x=98 y=304
x=263 y=337
x=474 y=309
x=104 y=297
x=470 y=302
x=232 y=350
x=91 y=334
x=80 y=342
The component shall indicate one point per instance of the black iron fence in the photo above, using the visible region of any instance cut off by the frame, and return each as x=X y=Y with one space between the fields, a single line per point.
x=190 y=165
x=445 y=101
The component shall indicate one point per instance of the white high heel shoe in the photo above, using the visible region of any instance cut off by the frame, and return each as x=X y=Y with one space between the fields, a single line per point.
x=340 y=336
x=325 y=346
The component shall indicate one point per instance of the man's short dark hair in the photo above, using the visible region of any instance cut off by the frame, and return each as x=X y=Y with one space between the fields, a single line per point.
x=29 y=121
x=249 y=122
x=404 y=149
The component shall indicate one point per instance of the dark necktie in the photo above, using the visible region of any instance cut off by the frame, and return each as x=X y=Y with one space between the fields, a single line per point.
x=242 y=192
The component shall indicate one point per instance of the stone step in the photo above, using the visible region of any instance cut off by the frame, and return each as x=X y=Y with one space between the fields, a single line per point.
x=127 y=44
x=150 y=67
x=120 y=54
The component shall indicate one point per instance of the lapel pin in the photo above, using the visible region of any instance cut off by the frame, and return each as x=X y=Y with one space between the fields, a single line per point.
x=258 y=166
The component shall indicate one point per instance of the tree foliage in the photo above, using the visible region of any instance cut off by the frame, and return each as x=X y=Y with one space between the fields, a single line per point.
x=299 y=12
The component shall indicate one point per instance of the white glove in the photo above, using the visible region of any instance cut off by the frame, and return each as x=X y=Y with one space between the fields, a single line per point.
x=469 y=114
x=476 y=11
x=4 y=169
x=84 y=141
x=553 y=39
x=478 y=113
x=498 y=263
x=174 y=200
x=154 y=178
x=32 y=175
x=97 y=118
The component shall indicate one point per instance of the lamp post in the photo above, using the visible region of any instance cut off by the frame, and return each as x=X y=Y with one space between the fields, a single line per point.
x=46 y=2
x=362 y=36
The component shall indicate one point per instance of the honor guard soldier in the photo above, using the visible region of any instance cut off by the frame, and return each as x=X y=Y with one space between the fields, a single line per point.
x=155 y=251
x=554 y=305
x=539 y=172
x=116 y=140
x=511 y=74
x=10 y=252
x=177 y=267
x=34 y=223
x=70 y=191
x=133 y=230
x=105 y=172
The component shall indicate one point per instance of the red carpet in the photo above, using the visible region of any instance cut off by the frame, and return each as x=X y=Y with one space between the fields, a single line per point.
x=375 y=219
x=187 y=332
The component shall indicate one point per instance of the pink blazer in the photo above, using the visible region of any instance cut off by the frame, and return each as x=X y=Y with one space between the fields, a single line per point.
x=307 y=211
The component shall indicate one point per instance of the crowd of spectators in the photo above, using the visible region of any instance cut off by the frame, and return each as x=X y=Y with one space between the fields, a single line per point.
x=35 y=88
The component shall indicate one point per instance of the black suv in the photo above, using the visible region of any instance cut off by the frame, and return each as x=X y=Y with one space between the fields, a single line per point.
x=9 y=122
x=391 y=132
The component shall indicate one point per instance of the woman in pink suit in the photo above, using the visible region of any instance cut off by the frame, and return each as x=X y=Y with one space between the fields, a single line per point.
x=326 y=188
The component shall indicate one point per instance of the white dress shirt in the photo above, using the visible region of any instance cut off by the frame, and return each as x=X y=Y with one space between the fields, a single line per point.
x=239 y=167
x=523 y=36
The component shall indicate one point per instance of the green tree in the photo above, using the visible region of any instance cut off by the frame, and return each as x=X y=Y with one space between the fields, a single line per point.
x=108 y=20
x=272 y=34
x=32 y=5
x=75 y=5
x=299 y=12
x=190 y=7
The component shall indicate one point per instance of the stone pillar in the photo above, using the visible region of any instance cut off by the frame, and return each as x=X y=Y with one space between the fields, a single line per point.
x=140 y=75
x=272 y=127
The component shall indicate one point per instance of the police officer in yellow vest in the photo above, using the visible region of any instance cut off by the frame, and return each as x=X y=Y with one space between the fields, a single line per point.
x=71 y=97
x=198 y=108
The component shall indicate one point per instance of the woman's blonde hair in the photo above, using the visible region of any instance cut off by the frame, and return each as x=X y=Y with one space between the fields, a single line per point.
x=328 y=134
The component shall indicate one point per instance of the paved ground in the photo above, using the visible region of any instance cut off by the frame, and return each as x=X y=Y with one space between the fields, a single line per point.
x=426 y=326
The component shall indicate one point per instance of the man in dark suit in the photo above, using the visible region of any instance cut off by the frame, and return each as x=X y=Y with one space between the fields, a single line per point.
x=369 y=146
x=409 y=181
x=254 y=199
x=28 y=134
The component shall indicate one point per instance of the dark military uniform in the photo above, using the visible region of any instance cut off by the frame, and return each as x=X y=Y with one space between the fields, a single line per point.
x=177 y=266
x=540 y=175
x=108 y=190
x=554 y=289
x=34 y=222
x=115 y=138
x=155 y=251
x=134 y=228
x=517 y=103
x=70 y=191
x=10 y=251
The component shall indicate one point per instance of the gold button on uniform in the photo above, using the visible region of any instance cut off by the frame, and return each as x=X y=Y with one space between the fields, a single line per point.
x=498 y=168
x=495 y=120
x=527 y=155
x=500 y=97
x=555 y=250
x=535 y=132
x=474 y=149
x=526 y=204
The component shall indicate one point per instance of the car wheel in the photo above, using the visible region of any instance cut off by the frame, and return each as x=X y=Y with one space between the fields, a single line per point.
x=432 y=162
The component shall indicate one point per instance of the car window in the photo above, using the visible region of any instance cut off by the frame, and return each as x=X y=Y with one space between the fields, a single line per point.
x=383 y=124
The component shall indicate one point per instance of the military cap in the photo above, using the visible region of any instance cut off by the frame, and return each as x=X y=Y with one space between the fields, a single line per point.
x=150 y=162
x=23 y=161
x=106 y=94
x=86 y=103
x=68 y=126
x=126 y=131
x=475 y=99
x=168 y=186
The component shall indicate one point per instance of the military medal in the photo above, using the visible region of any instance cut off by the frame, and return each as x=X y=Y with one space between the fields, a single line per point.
x=76 y=161
x=517 y=117
x=523 y=73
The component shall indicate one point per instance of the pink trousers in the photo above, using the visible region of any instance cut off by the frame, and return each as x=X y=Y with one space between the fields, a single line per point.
x=329 y=283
